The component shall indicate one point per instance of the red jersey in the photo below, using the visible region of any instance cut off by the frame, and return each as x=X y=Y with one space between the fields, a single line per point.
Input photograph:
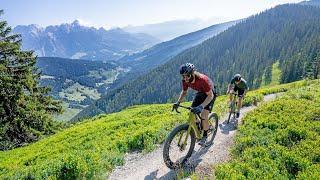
x=201 y=84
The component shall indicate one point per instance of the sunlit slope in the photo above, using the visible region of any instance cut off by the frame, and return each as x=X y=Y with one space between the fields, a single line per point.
x=279 y=140
x=92 y=148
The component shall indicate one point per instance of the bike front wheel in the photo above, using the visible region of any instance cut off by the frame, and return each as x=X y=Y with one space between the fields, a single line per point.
x=232 y=110
x=179 y=146
x=213 y=127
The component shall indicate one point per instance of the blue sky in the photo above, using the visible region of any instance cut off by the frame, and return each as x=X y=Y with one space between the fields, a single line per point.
x=119 y=13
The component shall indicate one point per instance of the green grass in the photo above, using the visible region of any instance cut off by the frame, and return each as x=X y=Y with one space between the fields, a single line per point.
x=92 y=148
x=279 y=140
x=275 y=76
x=68 y=113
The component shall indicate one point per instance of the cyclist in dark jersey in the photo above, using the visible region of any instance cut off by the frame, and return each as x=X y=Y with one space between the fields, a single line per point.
x=238 y=84
x=204 y=98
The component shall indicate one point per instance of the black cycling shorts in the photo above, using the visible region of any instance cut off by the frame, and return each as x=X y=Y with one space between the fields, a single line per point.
x=200 y=97
x=240 y=91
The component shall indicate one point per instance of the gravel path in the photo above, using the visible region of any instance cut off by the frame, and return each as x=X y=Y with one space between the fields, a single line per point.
x=151 y=166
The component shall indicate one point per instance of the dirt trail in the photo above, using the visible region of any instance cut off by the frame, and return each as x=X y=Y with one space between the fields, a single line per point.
x=151 y=166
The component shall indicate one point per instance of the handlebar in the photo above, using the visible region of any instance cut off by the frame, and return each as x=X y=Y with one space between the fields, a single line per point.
x=236 y=93
x=186 y=107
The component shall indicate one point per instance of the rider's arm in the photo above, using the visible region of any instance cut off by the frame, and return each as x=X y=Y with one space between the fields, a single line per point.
x=229 y=88
x=183 y=92
x=182 y=95
x=230 y=85
x=208 y=99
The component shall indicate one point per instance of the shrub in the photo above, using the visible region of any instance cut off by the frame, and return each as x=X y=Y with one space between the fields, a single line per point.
x=279 y=140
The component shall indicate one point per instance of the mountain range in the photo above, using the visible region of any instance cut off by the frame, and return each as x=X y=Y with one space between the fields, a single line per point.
x=80 y=42
x=171 y=29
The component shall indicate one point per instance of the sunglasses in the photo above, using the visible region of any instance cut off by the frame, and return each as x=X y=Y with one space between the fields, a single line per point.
x=186 y=75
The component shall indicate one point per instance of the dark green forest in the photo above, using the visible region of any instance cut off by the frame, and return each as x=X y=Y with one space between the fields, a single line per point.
x=159 y=54
x=75 y=70
x=289 y=34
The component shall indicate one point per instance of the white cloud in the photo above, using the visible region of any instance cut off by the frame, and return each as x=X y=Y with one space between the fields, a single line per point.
x=85 y=22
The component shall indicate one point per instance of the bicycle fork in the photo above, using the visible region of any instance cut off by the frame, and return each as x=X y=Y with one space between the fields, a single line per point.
x=233 y=104
x=182 y=143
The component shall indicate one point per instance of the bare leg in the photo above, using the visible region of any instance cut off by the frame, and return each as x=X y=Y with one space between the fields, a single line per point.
x=239 y=103
x=205 y=122
x=231 y=95
x=205 y=125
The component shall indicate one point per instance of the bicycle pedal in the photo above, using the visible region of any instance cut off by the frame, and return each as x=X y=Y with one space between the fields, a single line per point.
x=211 y=128
x=201 y=143
x=207 y=144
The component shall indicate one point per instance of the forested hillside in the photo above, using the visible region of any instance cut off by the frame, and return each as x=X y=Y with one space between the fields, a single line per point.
x=142 y=62
x=289 y=34
x=76 y=82
x=162 y=52
x=311 y=2
x=81 y=71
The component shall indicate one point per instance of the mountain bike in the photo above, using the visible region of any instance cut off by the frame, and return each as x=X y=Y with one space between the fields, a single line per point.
x=232 y=107
x=180 y=143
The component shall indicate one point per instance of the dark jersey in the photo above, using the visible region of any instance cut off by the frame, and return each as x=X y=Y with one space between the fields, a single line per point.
x=242 y=85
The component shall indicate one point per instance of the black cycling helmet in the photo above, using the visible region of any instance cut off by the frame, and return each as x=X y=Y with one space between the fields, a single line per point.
x=187 y=68
x=237 y=77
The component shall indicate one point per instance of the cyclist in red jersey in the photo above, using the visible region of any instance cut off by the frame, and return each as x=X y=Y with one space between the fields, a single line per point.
x=203 y=101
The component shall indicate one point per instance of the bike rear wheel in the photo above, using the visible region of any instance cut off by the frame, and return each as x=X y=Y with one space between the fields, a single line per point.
x=229 y=117
x=175 y=152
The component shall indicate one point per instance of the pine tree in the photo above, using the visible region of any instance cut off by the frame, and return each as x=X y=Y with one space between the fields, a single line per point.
x=25 y=109
x=307 y=70
x=316 y=66
x=312 y=67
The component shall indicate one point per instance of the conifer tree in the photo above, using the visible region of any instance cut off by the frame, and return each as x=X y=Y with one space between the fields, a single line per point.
x=316 y=66
x=25 y=109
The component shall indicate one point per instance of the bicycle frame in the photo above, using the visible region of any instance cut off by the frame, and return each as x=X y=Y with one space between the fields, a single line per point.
x=234 y=102
x=181 y=140
x=192 y=124
x=193 y=118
